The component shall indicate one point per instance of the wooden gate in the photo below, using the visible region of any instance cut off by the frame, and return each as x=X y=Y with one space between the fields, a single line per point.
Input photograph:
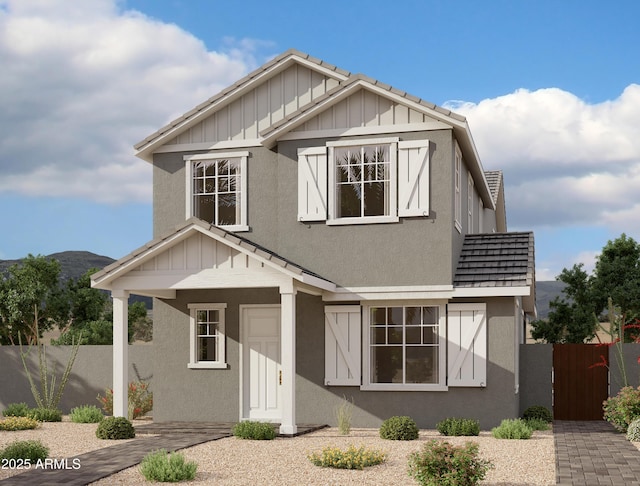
x=579 y=388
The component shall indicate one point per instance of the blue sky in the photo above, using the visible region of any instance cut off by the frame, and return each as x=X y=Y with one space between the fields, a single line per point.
x=551 y=90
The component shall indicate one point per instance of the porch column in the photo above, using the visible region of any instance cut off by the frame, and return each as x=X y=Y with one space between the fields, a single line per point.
x=120 y=353
x=288 y=358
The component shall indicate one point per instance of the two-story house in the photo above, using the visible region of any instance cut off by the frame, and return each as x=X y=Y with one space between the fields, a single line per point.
x=321 y=235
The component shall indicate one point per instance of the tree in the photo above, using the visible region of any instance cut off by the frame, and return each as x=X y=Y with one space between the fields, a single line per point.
x=574 y=317
x=31 y=300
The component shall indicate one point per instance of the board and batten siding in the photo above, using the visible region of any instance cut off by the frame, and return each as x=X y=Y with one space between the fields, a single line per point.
x=268 y=103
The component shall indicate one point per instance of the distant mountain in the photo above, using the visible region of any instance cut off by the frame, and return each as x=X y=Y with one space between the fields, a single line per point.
x=546 y=291
x=74 y=264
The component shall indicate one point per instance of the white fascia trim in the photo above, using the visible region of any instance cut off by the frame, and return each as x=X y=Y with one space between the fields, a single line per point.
x=216 y=155
x=412 y=292
x=361 y=142
x=317 y=67
x=404 y=388
x=359 y=131
x=491 y=291
x=223 y=145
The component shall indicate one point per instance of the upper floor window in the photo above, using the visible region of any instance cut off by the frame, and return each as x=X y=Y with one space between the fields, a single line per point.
x=364 y=181
x=217 y=190
x=458 y=188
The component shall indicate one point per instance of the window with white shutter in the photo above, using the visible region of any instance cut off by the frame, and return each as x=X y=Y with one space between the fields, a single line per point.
x=413 y=178
x=467 y=348
x=342 y=345
x=312 y=184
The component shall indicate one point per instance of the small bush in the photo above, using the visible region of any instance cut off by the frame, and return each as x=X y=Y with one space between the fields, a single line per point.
x=538 y=412
x=512 y=429
x=254 y=430
x=140 y=400
x=633 y=431
x=86 y=414
x=537 y=424
x=25 y=449
x=344 y=412
x=16 y=410
x=167 y=467
x=351 y=458
x=622 y=409
x=458 y=427
x=115 y=428
x=18 y=423
x=46 y=414
x=442 y=464
x=399 y=428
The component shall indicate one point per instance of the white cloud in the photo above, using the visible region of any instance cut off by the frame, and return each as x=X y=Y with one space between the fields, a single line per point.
x=83 y=81
x=565 y=161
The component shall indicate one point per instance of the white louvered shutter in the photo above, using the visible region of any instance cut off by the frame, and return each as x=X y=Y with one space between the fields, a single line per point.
x=467 y=348
x=413 y=178
x=342 y=345
x=312 y=184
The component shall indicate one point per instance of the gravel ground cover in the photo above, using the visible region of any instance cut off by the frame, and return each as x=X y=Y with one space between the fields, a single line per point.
x=234 y=461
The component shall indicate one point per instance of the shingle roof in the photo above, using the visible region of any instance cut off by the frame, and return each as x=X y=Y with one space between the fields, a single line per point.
x=496 y=260
x=494 y=179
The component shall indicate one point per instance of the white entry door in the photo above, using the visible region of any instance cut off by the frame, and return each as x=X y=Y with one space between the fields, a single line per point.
x=261 y=369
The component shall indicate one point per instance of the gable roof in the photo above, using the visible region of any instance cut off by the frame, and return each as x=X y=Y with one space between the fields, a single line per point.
x=136 y=259
x=342 y=84
x=494 y=179
x=497 y=260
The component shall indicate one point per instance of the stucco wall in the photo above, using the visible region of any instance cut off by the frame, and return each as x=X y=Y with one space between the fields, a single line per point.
x=92 y=373
x=536 y=367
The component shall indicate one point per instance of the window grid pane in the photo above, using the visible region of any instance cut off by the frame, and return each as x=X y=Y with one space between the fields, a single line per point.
x=207 y=329
x=216 y=191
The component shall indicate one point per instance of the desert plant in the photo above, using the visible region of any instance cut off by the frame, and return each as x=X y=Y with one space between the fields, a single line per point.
x=538 y=412
x=442 y=464
x=140 y=400
x=399 y=428
x=512 y=429
x=167 y=467
x=622 y=409
x=42 y=414
x=537 y=424
x=18 y=423
x=633 y=431
x=115 y=428
x=350 y=458
x=458 y=427
x=344 y=412
x=16 y=410
x=86 y=414
x=254 y=430
x=31 y=450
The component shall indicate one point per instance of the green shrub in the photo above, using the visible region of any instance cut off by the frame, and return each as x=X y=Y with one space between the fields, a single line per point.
x=538 y=412
x=458 y=427
x=399 y=428
x=344 y=412
x=622 y=409
x=512 y=429
x=167 y=467
x=25 y=449
x=254 y=430
x=633 y=431
x=442 y=464
x=115 y=428
x=537 y=424
x=86 y=414
x=351 y=458
x=18 y=423
x=16 y=410
x=46 y=414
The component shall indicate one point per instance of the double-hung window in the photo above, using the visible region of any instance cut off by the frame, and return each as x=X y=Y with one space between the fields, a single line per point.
x=217 y=189
x=405 y=347
x=207 y=336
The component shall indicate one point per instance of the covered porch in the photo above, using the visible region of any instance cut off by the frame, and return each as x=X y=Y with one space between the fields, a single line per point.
x=198 y=256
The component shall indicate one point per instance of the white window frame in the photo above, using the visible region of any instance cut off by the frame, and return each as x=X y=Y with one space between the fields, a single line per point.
x=470 y=198
x=392 y=217
x=221 y=363
x=458 y=189
x=215 y=156
x=442 y=348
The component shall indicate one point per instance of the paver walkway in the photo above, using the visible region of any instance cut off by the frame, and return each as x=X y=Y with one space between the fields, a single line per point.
x=104 y=462
x=594 y=453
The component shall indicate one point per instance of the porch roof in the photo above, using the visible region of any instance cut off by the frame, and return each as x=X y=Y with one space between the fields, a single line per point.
x=257 y=259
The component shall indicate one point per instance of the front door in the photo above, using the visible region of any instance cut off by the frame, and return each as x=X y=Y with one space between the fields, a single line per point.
x=261 y=398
